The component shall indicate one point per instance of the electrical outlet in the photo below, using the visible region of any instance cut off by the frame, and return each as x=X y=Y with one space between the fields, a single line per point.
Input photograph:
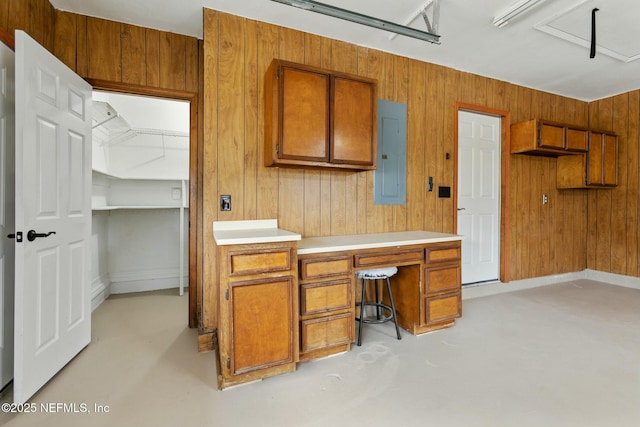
x=176 y=193
x=225 y=202
x=545 y=199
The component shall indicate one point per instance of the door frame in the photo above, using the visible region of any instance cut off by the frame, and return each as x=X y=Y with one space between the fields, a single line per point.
x=505 y=150
x=195 y=217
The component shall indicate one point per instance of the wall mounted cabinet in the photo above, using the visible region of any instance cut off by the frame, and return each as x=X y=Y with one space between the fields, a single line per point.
x=598 y=168
x=319 y=118
x=587 y=158
x=545 y=138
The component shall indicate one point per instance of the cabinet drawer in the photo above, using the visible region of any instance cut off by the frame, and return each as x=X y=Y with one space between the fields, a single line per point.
x=392 y=257
x=326 y=332
x=442 y=253
x=314 y=268
x=323 y=297
x=445 y=307
x=255 y=261
x=444 y=278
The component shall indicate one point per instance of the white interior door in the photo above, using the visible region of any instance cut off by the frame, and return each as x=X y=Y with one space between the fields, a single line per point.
x=53 y=195
x=479 y=196
x=7 y=143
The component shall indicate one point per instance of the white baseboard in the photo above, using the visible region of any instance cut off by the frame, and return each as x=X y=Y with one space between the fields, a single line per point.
x=100 y=291
x=494 y=288
x=612 y=278
x=144 y=285
x=142 y=281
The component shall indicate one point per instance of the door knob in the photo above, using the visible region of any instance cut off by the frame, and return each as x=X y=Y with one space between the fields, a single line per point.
x=462 y=209
x=32 y=235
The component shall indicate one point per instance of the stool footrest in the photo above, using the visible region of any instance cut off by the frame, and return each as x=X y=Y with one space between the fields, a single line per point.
x=382 y=319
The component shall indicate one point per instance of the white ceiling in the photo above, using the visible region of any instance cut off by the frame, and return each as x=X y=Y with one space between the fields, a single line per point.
x=546 y=49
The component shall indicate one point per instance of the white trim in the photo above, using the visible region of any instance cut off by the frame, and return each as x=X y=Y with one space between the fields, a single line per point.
x=145 y=280
x=145 y=285
x=100 y=291
x=141 y=275
x=613 y=279
x=494 y=288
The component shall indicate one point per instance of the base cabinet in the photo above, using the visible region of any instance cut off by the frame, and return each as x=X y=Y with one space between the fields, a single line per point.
x=276 y=308
x=258 y=312
x=326 y=305
x=442 y=286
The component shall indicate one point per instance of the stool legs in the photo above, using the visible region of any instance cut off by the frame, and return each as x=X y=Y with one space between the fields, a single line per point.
x=362 y=306
x=379 y=306
x=393 y=309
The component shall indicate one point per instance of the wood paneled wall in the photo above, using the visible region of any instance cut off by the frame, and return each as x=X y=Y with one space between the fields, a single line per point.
x=35 y=17
x=577 y=229
x=612 y=227
x=107 y=50
x=545 y=239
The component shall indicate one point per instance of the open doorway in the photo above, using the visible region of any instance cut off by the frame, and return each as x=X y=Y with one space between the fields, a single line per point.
x=140 y=200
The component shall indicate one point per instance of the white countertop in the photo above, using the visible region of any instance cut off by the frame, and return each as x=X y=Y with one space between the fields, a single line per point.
x=313 y=245
x=248 y=232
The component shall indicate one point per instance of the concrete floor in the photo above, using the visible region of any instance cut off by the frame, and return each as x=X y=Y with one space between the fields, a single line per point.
x=559 y=355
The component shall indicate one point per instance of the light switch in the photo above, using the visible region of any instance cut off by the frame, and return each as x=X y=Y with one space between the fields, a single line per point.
x=225 y=202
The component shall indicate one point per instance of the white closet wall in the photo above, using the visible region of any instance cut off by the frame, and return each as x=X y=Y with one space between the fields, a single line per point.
x=140 y=200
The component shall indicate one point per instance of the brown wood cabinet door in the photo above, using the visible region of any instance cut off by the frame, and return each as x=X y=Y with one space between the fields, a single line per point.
x=354 y=126
x=594 y=159
x=551 y=136
x=305 y=115
x=577 y=139
x=261 y=323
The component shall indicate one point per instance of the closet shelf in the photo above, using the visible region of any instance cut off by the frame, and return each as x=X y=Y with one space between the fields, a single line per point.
x=115 y=208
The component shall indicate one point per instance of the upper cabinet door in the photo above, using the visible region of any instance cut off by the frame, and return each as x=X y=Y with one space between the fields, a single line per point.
x=602 y=159
x=551 y=136
x=305 y=115
x=354 y=122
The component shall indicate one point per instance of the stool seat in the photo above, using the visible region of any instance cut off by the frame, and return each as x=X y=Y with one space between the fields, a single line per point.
x=377 y=273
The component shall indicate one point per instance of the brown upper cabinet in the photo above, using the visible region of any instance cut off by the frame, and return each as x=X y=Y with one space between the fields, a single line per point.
x=545 y=138
x=598 y=168
x=319 y=118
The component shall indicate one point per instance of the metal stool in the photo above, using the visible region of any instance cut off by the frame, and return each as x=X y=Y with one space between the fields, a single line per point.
x=375 y=275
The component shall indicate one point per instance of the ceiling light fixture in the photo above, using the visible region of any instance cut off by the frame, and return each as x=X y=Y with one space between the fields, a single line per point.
x=518 y=8
x=358 y=18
